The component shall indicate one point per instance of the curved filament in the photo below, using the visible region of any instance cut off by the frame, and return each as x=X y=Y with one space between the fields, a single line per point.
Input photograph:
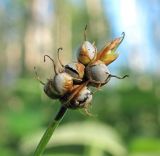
x=85 y=33
x=118 y=77
x=37 y=77
x=54 y=65
x=59 y=57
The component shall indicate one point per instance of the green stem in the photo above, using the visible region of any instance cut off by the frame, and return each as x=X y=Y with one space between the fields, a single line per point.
x=48 y=133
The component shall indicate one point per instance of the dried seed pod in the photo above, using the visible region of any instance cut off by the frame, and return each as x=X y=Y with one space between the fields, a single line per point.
x=79 y=97
x=76 y=70
x=58 y=86
x=87 y=52
x=82 y=100
x=98 y=74
x=48 y=87
x=62 y=82
x=50 y=90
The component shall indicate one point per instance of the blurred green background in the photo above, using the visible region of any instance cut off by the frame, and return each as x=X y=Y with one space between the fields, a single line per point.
x=126 y=119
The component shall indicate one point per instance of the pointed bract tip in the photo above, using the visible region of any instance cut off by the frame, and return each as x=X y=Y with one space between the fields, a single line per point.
x=123 y=35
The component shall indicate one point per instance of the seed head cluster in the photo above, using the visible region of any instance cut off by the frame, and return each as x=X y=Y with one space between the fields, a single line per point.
x=71 y=83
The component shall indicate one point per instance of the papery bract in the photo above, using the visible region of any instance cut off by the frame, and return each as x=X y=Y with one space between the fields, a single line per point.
x=108 y=53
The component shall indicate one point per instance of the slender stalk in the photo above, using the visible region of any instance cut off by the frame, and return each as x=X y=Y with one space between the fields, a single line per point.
x=48 y=133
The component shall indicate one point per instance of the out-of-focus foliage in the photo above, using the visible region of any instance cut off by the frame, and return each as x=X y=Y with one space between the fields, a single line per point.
x=92 y=144
x=126 y=113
